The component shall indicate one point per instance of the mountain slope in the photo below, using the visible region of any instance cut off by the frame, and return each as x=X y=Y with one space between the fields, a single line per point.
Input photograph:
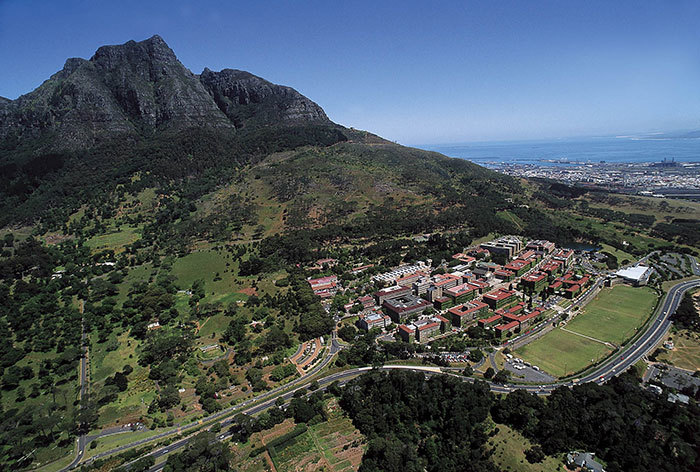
x=133 y=117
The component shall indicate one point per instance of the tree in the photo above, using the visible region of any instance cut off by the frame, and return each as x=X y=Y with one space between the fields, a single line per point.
x=347 y=333
x=489 y=373
x=203 y=454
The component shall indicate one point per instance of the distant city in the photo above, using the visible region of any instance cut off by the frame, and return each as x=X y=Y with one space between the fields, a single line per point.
x=655 y=167
x=660 y=179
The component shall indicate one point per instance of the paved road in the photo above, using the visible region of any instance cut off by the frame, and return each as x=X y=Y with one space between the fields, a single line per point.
x=615 y=365
x=81 y=440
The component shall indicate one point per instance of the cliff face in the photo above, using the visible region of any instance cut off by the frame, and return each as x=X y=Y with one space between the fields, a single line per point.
x=138 y=89
x=248 y=100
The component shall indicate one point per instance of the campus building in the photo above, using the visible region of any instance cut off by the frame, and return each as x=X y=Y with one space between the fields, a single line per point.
x=391 y=292
x=401 y=308
x=503 y=249
x=373 y=320
x=499 y=298
x=534 y=283
x=462 y=293
x=463 y=315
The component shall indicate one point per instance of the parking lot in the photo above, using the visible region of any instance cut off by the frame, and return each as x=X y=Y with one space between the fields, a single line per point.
x=525 y=372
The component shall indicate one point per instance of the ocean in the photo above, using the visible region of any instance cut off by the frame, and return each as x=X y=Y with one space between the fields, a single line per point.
x=612 y=150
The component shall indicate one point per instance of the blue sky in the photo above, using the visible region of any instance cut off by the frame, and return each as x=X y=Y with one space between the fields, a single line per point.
x=414 y=72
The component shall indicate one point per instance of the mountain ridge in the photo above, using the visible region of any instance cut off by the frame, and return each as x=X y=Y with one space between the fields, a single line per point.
x=141 y=88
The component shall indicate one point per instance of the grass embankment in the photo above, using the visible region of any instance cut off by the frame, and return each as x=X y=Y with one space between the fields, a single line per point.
x=686 y=350
x=611 y=317
x=509 y=448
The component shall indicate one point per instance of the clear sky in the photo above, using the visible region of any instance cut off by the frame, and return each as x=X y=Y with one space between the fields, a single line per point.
x=414 y=72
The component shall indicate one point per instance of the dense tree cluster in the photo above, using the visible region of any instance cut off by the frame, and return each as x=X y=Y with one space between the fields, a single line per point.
x=416 y=424
x=203 y=454
x=629 y=428
x=686 y=315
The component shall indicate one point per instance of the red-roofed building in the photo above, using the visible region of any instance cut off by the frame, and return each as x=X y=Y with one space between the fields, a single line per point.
x=461 y=293
x=564 y=255
x=480 y=284
x=462 y=315
x=504 y=274
x=466 y=259
x=373 y=320
x=490 y=321
x=552 y=267
x=502 y=329
x=391 y=292
x=324 y=287
x=445 y=324
x=518 y=266
x=446 y=281
x=534 y=282
x=401 y=308
x=407 y=333
x=425 y=329
x=499 y=298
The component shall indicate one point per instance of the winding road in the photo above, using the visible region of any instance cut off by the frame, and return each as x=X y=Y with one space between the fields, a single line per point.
x=614 y=365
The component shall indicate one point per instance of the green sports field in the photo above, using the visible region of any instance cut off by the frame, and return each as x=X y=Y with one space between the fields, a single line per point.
x=611 y=317
x=615 y=313
x=561 y=353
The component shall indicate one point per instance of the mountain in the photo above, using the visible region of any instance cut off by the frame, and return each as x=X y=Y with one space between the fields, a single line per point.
x=133 y=117
x=138 y=89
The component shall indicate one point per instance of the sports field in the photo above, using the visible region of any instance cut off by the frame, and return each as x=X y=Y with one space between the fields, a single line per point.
x=561 y=353
x=610 y=318
x=615 y=313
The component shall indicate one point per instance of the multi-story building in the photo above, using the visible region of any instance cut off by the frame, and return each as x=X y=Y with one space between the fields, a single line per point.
x=541 y=245
x=407 y=333
x=502 y=329
x=463 y=315
x=373 y=320
x=503 y=249
x=519 y=266
x=401 y=308
x=461 y=293
x=490 y=321
x=324 y=287
x=534 y=282
x=391 y=292
x=426 y=329
x=499 y=298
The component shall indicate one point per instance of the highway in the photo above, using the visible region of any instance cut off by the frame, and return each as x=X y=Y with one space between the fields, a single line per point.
x=613 y=366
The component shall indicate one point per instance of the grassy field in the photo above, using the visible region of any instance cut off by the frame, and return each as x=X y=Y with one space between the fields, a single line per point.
x=115 y=240
x=686 y=352
x=561 y=353
x=133 y=403
x=619 y=254
x=509 y=448
x=615 y=313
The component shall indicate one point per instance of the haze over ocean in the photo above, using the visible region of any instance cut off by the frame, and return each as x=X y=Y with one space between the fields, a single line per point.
x=593 y=150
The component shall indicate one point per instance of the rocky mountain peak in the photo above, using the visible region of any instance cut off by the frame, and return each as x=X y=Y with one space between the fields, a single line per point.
x=249 y=100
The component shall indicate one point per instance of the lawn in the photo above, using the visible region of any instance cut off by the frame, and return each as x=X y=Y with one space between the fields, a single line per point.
x=133 y=403
x=205 y=264
x=561 y=353
x=686 y=352
x=615 y=313
x=115 y=240
x=509 y=448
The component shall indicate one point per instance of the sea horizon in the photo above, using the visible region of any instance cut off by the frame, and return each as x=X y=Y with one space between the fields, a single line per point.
x=563 y=151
